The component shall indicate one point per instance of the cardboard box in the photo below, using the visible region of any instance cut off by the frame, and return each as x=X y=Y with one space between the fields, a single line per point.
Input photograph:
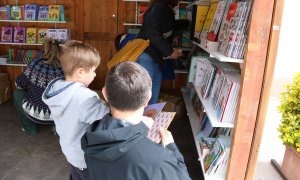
x=5 y=90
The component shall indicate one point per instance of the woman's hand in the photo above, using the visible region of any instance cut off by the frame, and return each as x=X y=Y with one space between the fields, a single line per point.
x=176 y=53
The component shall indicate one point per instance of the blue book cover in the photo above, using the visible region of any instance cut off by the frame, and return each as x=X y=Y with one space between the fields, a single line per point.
x=43 y=13
x=30 y=12
x=62 y=13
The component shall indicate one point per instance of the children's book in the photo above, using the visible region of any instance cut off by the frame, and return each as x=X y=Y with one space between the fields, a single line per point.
x=161 y=120
x=16 y=13
x=6 y=34
x=43 y=13
x=62 y=35
x=31 y=35
x=42 y=34
x=201 y=13
x=19 y=34
x=5 y=12
x=52 y=34
x=142 y=9
x=54 y=12
x=61 y=13
x=30 y=12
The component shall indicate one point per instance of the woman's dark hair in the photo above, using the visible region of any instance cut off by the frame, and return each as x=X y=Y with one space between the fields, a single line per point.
x=51 y=52
x=128 y=85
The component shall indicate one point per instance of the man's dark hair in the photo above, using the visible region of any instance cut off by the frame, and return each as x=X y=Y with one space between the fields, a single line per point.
x=128 y=85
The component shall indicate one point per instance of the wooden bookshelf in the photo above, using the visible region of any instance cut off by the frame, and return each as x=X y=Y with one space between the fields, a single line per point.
x=195 y=125
x=10 y=64
x=132 y=24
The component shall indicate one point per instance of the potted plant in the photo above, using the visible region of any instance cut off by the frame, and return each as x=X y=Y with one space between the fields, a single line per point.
x=289 y=128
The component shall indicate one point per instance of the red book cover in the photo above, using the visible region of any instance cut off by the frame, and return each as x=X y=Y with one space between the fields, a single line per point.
x=142 y=9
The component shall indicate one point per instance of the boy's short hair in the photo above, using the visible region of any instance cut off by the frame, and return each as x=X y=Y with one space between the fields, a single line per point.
x=128 y=85
x=76 y=54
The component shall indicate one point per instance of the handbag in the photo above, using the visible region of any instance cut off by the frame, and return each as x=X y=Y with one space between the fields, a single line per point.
x=130 y=52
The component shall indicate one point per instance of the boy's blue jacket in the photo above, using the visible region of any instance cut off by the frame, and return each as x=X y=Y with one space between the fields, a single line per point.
x=116 y=150
x=73 y=107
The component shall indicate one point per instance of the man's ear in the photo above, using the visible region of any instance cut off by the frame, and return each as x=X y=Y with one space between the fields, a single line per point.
x=104 y=93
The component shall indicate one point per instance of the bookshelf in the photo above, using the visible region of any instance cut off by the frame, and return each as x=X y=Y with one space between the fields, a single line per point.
x=23 y=21
x=132 y=24
x=194 y=121
x=218 y=55
x=134 y=21
x=252 y=78
x=28 y=44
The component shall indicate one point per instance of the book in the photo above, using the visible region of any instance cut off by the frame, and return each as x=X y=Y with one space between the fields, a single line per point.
x=53 y=12
x=43 y=13
x=5 y=12
x=30 y=12
x=216 y=22
x=161 y=119
x=62 y=13
x=52 y=33
x=205 y=127
x=212 y=157
x=31 y=35
x=202 y=11
x=193 y=68
x=208 y=20
x=42 y=34
x=62 y=35
x=16 y=13
x=142 y=8
x=19 y=34
x=6 y=34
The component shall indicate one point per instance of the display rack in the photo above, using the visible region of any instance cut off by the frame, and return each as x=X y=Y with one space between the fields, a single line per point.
x=194 y=121
x=218 y=55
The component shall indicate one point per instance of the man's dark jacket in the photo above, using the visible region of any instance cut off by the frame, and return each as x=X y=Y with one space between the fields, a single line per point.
x=115 y=150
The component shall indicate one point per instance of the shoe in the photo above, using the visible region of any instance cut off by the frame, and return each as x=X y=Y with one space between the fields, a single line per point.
x=29 y=132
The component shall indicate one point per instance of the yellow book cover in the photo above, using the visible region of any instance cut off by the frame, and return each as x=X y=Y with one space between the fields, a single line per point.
x=210 y=16
x=42 y=34
x=31 y=35
x=200 y=19
x=53 y=13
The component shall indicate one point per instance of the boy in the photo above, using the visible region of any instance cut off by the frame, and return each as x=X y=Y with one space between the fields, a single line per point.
x=73 y=106
x=117 y=147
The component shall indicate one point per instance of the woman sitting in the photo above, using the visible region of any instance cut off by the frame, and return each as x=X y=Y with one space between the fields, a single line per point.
x=31 y=85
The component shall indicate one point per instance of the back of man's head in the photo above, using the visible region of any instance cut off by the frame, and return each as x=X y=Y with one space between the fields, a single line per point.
x=128 y=86
x=76 y=54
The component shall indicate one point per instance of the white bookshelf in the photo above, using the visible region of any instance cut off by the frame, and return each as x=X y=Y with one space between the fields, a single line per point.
x=195 y=125
x=211 y=113
x=23 y=21
x=132 y=24
x=218 y=55
x=28 y=44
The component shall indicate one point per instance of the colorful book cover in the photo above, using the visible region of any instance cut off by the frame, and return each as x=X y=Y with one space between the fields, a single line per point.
x=162 y=120
x=52 y=33
x=62 y=13
x=30 y=12
x=62 y=35
x=216 y=22
x=5 y=12
x=209 y=17
x=6 y=34
x=54 y=13
x=142 y=9
x=43 y=13
x=16 y=13
x=19 y=34
x=42 y=34
x=31 y=35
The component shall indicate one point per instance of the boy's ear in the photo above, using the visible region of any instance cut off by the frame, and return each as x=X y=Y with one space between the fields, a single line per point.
x=80 y=72
x=104 y=93
x=147 y=100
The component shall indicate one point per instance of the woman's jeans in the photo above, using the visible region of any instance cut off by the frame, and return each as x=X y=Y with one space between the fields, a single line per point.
x=155 y=73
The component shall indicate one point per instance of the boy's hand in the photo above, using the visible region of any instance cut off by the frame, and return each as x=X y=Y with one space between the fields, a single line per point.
x=166 y=137
x=147 y=121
